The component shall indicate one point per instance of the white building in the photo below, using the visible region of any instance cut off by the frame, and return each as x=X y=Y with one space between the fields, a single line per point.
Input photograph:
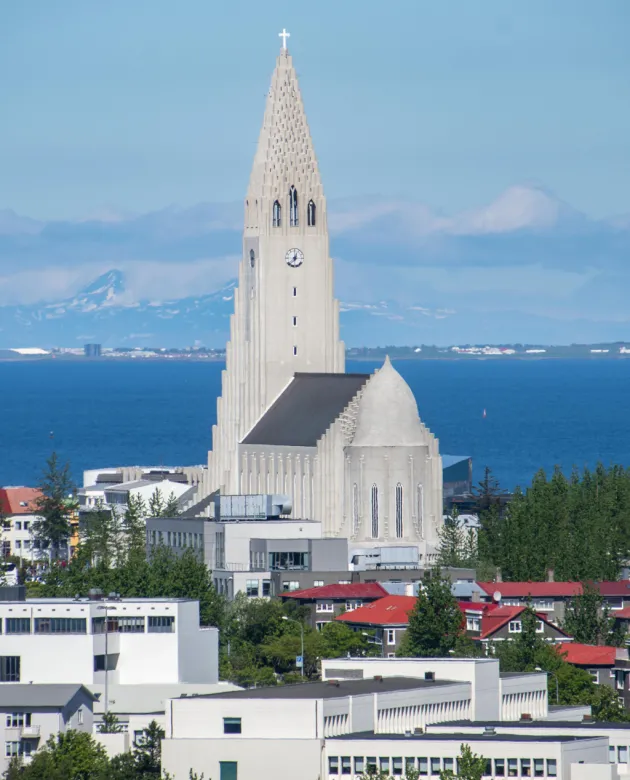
x=29 y=714
x=350 y=450
x=387 y=715
x=148 y=641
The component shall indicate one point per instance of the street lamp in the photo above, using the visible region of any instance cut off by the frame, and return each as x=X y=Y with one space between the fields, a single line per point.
x=555 y=676
x=301 y=625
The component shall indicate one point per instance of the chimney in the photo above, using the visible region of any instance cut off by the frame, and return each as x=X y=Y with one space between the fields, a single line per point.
x=526 y=716
x=497 y=576
x=550 y=575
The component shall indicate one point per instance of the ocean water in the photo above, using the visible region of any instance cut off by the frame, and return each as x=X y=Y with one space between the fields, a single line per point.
x=538 y=413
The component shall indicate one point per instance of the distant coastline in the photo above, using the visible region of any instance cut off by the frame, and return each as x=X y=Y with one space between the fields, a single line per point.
x=500 y=352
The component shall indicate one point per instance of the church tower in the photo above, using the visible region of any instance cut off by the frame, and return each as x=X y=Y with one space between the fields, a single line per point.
x=285 y=319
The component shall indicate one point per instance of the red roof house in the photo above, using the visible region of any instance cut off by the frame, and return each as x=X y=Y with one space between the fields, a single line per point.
x=354 y=590
x=589 y=655
x=388 y=611
x=18 y=500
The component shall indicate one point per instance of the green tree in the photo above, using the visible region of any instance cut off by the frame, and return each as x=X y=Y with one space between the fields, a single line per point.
x=451 y=541
x=148 y=750
x=587 y=618
x=56 y=485
x=96 y=535
x=110 y=724
x=156 y=503
x=435 y=623
x=171 y=508
x=73 y=755
x=134 y=528
x=523 y=652
x=470 y=766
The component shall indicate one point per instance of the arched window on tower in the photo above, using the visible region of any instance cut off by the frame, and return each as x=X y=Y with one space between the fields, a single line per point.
x=374 y=512
x=399 y=511
x=277 y=214
x=293 y=207
x=355 y=509
x=310 y=213
x=252 y=258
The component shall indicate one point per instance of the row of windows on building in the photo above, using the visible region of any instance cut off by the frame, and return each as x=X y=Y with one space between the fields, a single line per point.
x=294 y=215
x=156 y=624
x=329 y=606
x=374 y=508
x=425 y=766
x=181 y=539
x=22 y=748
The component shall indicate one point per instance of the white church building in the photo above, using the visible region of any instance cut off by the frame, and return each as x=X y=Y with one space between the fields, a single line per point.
x=350 y=450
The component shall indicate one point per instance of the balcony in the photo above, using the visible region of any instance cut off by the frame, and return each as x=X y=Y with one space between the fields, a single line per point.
x=30 y=732
x=16 y=733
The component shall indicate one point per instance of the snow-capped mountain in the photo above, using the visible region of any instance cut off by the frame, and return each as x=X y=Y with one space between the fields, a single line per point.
x=100 y=312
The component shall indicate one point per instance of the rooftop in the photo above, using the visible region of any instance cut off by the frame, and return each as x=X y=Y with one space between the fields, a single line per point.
x=305 y=409
x=455 y=737
x=552 y=589
x=588 y=655
x=18 y=500
x=85 y=600
x=365 y=590
x=390 y=610
x=528 y=724
x=333 y=689
x=39 y=695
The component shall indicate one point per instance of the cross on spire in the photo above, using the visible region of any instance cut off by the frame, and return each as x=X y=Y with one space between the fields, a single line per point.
x=284 y=35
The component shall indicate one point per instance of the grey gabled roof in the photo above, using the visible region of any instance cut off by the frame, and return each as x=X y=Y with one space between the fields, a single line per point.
x=39 y=695
x=305 y=409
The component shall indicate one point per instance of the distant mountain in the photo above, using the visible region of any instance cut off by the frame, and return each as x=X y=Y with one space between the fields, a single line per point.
x=100 y=313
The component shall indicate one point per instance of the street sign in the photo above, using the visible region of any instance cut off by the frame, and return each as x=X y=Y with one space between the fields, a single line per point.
x=299 y=661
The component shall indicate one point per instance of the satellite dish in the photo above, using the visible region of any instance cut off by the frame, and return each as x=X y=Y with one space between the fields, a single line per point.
x=496 y=596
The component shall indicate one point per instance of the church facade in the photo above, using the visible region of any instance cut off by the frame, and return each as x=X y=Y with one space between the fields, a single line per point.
x=348 y=449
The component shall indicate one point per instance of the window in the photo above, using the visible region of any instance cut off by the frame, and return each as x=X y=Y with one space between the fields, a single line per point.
x=9 y=668
x=252 y=258
x=355 y=508
x=410 y=765
x=311 y=212
x=512 y=767
x=294 y=351
x=435 y=766
x=359 y=765
x=333 y=765
x=231 y=725
x=266 y=588
x=374 y=512
x=285 y=561
x=290 y=585
x=540 y=627
x=515 y=627
x=526 y=767
x=295 y=292
x=397 y=766
x=293 y=207
x=552 y=768
x=18 y=544
x=390 y=633
x=499 y=767
x=251 y=588
x=325 y=606
x=17 y=719
x=619 y=679
x=26 y=525
x=99 y=662
x=622 y=754
x=473 y=624
x=423 y=766
x=161 y=624
x=18 y=525
x=487 y=772
x=448 y=764
x=60 y=626
x=17 y=626
x=594 y=674
x=383 y=764
x=294 y=322
x=277 y=214
x=544 y=604
x=371 y=764
x=611 y=754
x=228 y=770
x=420 y=509
x=539 y=767
x=79 y=717
x=346 y=765
x=318 y=583
x=399 y=511
x=344 y=582
x=120 y=624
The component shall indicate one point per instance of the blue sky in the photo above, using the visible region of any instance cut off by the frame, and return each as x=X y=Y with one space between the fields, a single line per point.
x=143 y=103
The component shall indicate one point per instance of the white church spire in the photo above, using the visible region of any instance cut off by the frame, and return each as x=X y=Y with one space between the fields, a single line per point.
x=285 y=155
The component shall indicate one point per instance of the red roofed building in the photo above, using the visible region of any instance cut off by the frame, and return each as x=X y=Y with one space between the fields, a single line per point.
x=18 y=509
x=551 y=597
x=388 y=619
x=606 y=665
x=328 y=601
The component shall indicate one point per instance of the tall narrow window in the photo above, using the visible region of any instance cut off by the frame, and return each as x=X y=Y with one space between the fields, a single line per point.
x=293 y=207
x=294 y=322
x=355 y=508
x=295 y=292
x=295 y=350
x=252 y=258
x=420 y=499
x=310 y=213
x=277 y=214
x=399 y=511
x=374 y=512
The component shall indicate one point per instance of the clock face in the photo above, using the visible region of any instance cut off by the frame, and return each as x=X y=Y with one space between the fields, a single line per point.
x=294 y=258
